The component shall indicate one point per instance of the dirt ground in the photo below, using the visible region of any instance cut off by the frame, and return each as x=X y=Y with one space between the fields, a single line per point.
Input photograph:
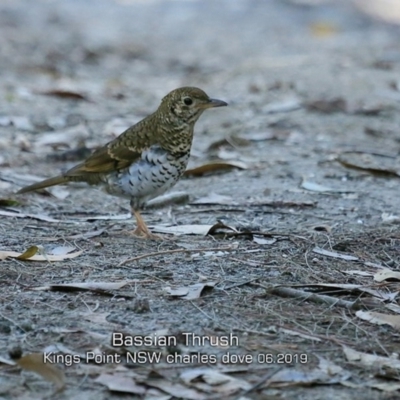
x=302 y=269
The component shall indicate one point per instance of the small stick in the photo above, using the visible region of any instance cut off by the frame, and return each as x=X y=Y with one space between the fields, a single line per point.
x=316 y=298
x=157 y=253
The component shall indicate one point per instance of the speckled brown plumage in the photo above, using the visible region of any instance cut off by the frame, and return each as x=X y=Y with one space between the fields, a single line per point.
x=148 y=158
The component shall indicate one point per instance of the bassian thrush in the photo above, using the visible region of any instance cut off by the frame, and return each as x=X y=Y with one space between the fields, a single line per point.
x=148 y=158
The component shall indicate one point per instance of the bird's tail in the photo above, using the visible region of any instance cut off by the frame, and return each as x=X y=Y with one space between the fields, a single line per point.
x=57 y=180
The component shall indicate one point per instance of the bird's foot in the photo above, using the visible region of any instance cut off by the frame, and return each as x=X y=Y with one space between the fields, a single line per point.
x=145 y=233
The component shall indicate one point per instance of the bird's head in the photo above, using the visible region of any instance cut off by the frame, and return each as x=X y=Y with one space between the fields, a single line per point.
x=188 y=103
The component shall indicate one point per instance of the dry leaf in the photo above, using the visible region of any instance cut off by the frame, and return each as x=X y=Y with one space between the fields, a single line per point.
x=357 y=272
x=6 y=361
x=175 y=389
x=259 y=136
x=315 y=187
x=377 y=164
x=9 y=203
x=215 y=167
x=121 y=383
x=325 y=106
x=35 y=362
x=30 y=252
x=64 y=94
x=291 y=377
x=40 y=217
x=385 y=274
x=31 y=255
x=183 y=229
x=370 y=360
x=106 y=217
x=263 y=241
x=168 y=199
x=286 y=105
x=93 y=286
x=214 y=198
x=334 y=254
x=379 y=318
x=190 y=292
x=219 y=382
x=87 y=235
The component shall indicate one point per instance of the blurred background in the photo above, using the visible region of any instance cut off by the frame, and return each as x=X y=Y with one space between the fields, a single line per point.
x=310 y=78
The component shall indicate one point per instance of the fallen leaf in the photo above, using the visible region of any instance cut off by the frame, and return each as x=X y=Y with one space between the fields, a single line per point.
x=393 y=307
x=334 y=254
x=183 y=229
x=214 y=198
x=215 y=167
x=327 y=106
x=9 y=203
x=329 y=367
x=190 y=292
x=64 y=94
x=93 y=286
x=293 y=377
x=342 y=288
x=357 y=272
x=218 y=381
x=106 y=217
x=168 y=199
x=385 y=274
x=259 y=136
x=59 y=192
x=379 y=318
x=87 y=235
x=6 y=361
x=370 y=360
x=35 y=362
x=40 y=217
x=220 y=227
x=286 y=105
x=61 y=250
x=263 y=241
x=28 y=253
x=232 y=141
x=390 y=218
x=315 y=187
x=31 y=255
x=376 y=164
x=175 y=389
x=384 y=386
x=121 y=383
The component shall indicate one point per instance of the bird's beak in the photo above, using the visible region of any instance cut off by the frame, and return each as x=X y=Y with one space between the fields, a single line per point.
x=216 y=103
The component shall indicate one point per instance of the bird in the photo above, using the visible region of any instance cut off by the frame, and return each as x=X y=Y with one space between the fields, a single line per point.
x=145 y=160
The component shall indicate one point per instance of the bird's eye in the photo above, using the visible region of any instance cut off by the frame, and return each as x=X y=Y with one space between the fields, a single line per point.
x=188 y=101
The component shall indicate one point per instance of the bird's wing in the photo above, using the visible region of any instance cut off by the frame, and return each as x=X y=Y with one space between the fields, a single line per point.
x=115 y=155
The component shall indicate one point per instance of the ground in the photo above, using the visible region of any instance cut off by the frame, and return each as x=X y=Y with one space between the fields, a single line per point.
x=312 y=124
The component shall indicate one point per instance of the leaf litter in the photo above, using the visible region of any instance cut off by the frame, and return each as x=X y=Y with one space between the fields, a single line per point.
x=38 y=253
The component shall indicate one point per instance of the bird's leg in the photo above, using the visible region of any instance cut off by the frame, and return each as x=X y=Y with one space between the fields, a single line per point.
x=142 y=230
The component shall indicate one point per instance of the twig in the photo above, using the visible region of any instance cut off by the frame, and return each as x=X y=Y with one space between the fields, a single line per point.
x=13 y=322
x=158 y=253
x=316 y=298
x=238 y=284
x=261 y=382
